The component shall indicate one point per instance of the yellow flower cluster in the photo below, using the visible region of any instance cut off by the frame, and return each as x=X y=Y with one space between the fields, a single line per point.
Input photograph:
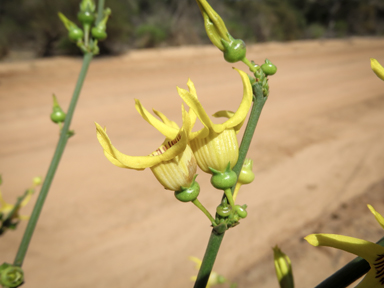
x=175 y=162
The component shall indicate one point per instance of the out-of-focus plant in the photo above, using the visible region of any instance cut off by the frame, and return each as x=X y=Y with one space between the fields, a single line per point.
x=92 y=30
x=9 y=213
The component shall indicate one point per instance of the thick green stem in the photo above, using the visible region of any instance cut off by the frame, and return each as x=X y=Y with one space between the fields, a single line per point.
x=215 y=239
x=349 y=273
x=53 y=167
x=205 y=211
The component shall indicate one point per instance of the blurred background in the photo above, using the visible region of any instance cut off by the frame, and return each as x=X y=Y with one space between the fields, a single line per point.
x=33 y=31
x=318 y=148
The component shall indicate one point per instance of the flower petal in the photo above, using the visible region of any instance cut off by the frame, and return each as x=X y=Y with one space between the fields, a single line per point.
x=377 y=215
x=192 y=90
x=229 y=114
x=165 y=120
x=377 y=68
x=168 y=150
x=199 y=110
x=365 y=249
x=168 y=131
x=238 y=118
x=107 y=146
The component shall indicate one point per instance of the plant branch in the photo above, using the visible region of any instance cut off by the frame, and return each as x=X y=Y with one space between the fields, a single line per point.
x=215 y=238
x=53 y=166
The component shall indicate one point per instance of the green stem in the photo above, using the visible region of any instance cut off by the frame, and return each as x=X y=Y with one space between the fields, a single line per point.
x=228 y=193
x=86 y=35
x=249 y=64
x=205 y=211
x=215 y=239
x=53 y=166
x=349 y=273
x=100 y=11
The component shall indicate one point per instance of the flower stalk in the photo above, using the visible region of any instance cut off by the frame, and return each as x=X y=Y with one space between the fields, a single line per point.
x=216 y=238
x=53 y=166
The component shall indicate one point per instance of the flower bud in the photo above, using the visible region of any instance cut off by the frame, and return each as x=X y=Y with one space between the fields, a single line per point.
x=86 y=17
x=246 y=175
x=283 y=268
x=11 y=276
x=87 y=5
x=240 y=210
x=234 y=49
x=99 y=31
x=223 y=211
x=57 y=114
x=268 y=68
x=74 y=32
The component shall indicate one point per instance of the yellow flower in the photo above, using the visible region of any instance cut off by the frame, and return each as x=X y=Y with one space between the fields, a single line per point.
x=371 y=252
x=216 y=144
x=173 y=163
x=283 y=268
x=214 y=278
x=377 y=68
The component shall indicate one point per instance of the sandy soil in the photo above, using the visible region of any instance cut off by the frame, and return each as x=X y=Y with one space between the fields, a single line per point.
x=317 y=151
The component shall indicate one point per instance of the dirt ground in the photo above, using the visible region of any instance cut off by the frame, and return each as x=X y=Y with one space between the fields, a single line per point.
x=318 y=157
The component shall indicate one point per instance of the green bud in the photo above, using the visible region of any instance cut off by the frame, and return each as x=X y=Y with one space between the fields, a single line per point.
x=58 y=114
x=268 y=67
x=98 y=34
x=246 y=175
x=223 y=180
x=214 y=25
x=234 y=50
x=87 y=5
x=74 y=32
x=11 y=276
x=283 y=268
x=99 y=31
x=240 y=210
x=187 y=194
x=223 y=211
x=86 y=17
